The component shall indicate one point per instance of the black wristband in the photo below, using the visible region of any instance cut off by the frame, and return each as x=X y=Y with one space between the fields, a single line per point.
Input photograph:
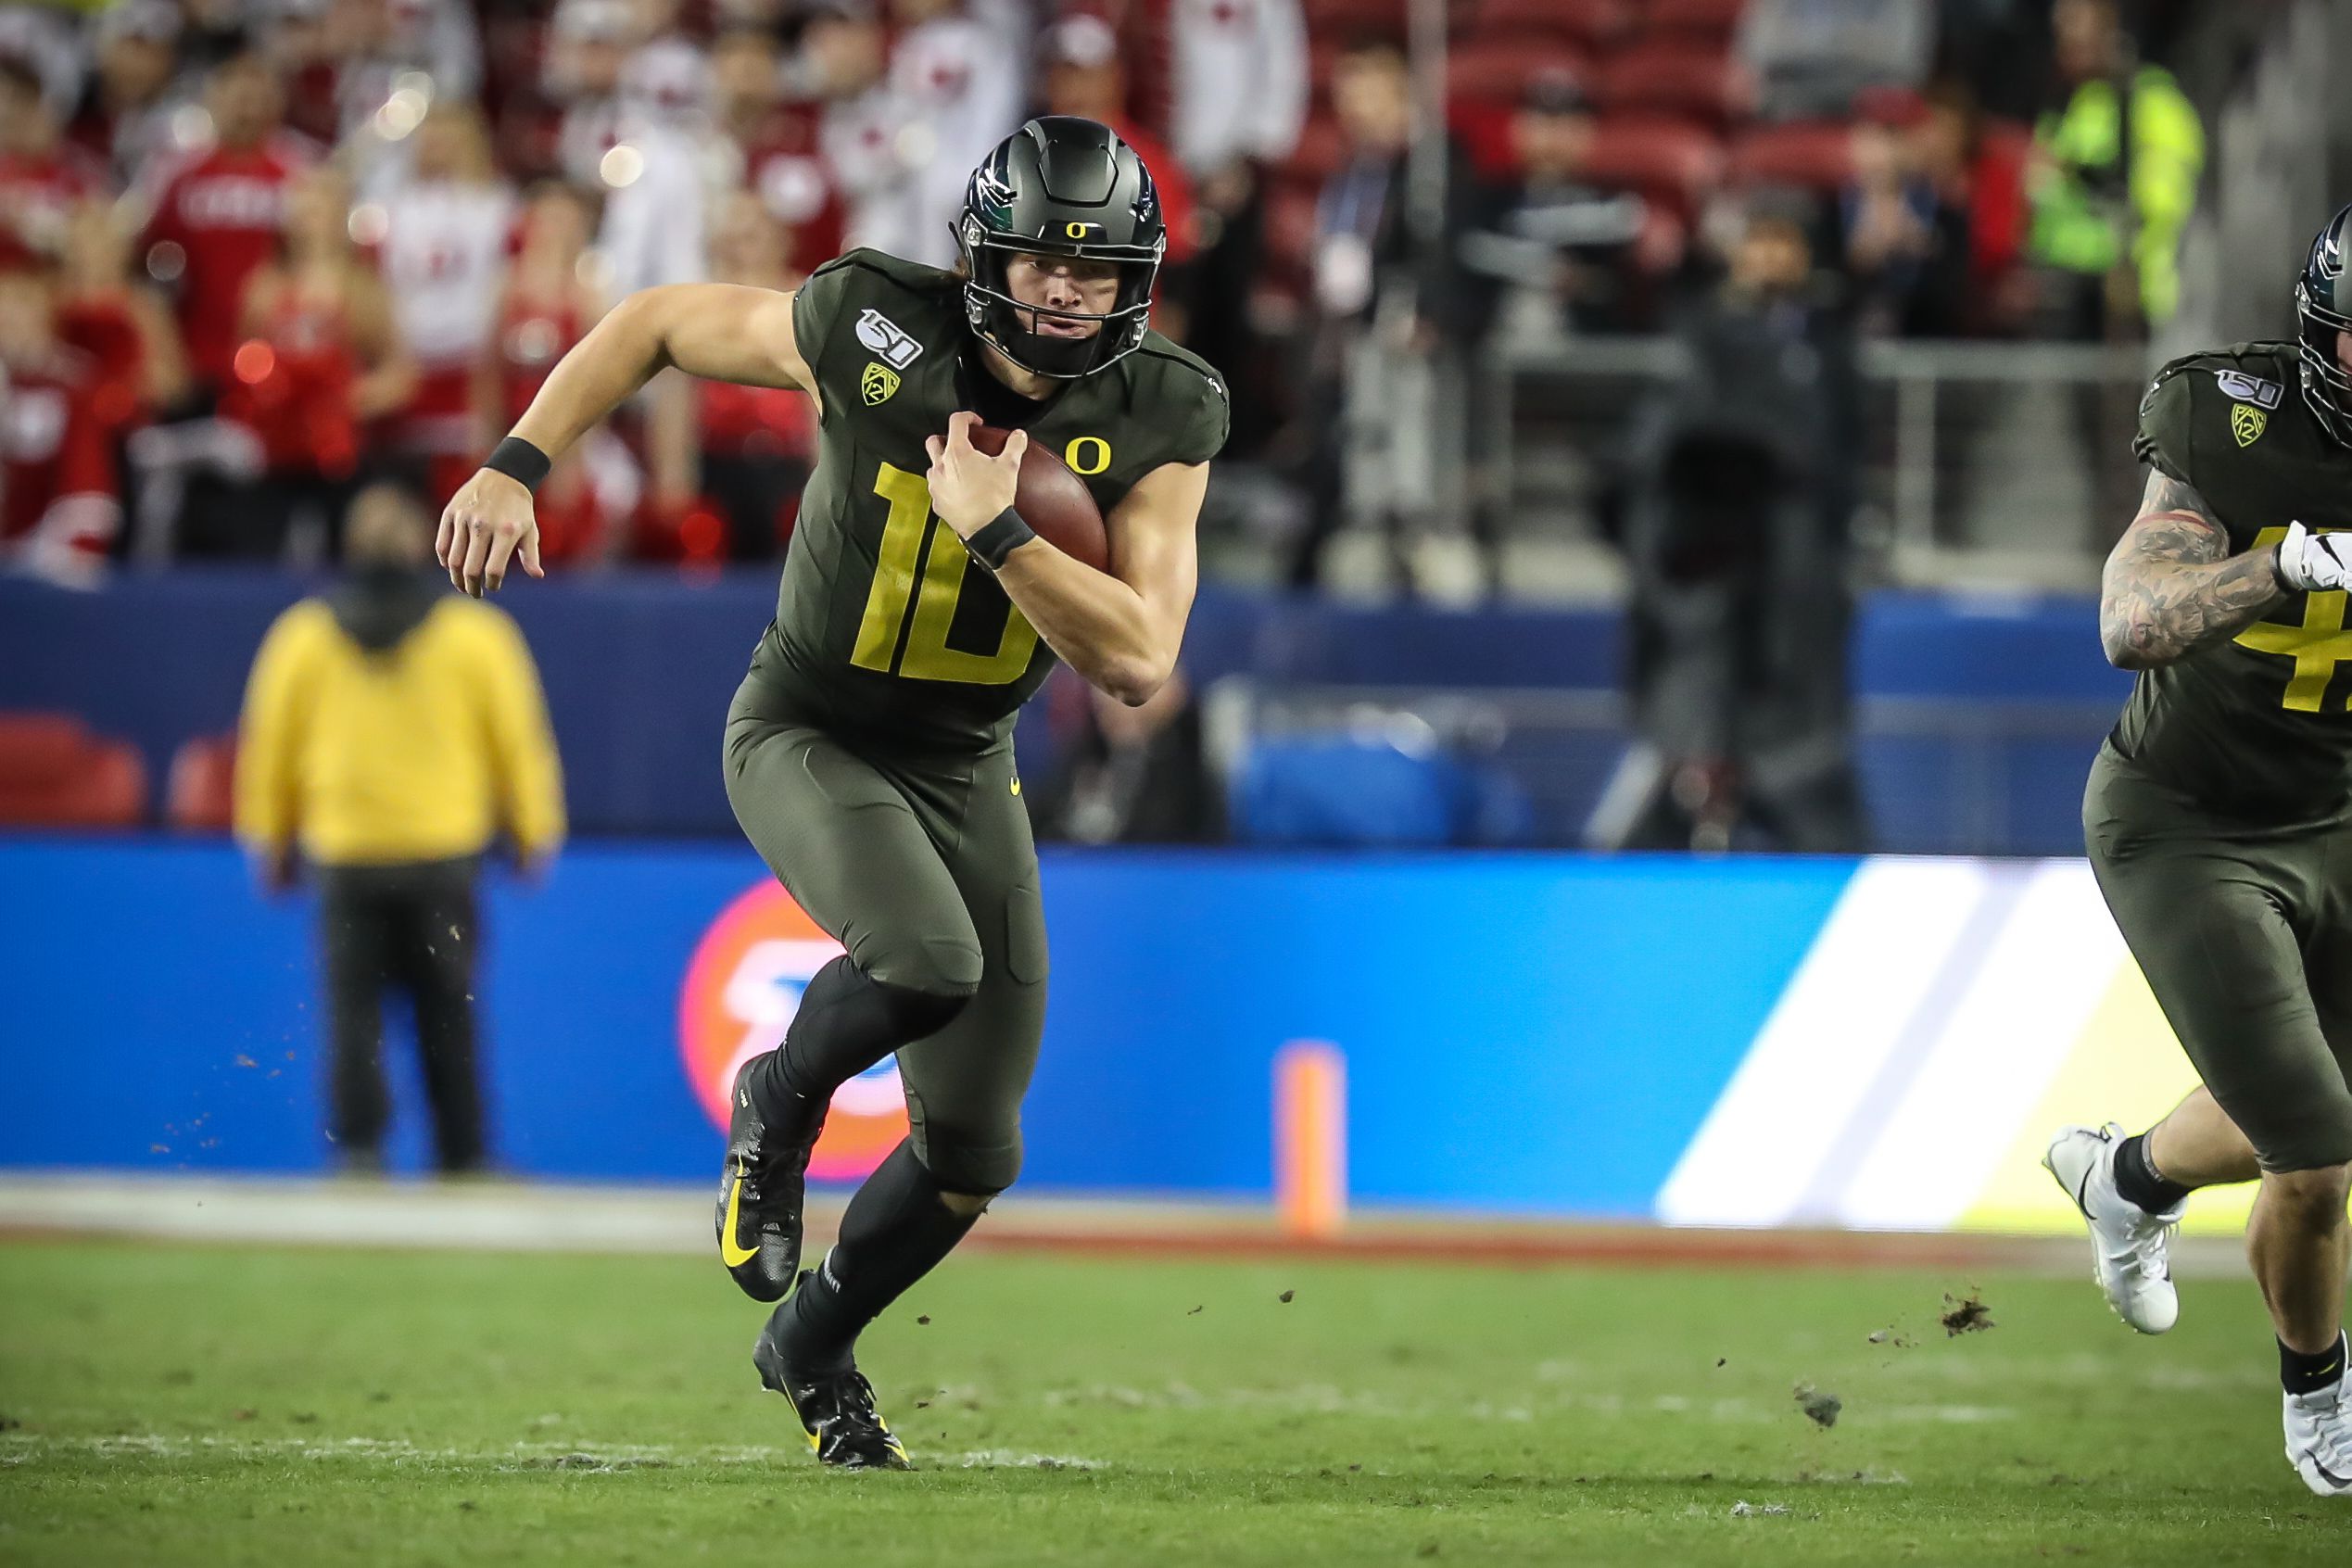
x=998 y=538
x=520 y=460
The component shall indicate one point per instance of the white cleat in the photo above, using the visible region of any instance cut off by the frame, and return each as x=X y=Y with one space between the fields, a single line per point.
x=2319 y=1437
x=2127 y=1240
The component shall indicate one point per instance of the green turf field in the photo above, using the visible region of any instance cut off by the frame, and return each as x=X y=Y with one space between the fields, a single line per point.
x=288 y=1407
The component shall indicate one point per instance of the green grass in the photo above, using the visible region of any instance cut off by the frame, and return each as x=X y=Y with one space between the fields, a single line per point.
x=290 y=1407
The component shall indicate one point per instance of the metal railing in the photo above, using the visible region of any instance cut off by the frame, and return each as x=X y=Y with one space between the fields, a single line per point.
x=1987 y=462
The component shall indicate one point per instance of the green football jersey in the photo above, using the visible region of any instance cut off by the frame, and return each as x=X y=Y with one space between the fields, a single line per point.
x=2255 y=727
x=884 y=622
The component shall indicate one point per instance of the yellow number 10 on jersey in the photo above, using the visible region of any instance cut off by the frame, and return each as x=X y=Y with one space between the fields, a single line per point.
x=932 y=598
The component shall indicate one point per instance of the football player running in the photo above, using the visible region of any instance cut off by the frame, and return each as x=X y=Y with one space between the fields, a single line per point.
x=868 y=752
x=2218 y=818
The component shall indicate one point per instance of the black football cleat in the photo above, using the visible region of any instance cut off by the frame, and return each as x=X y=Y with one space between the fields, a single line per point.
x=836 y=1409
x=761 y=1192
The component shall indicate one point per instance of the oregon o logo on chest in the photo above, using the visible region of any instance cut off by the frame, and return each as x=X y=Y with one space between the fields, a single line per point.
x=878 y=381
x=1087 y=454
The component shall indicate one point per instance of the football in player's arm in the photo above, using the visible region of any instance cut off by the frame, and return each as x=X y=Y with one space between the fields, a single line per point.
x=868 y=751
x=1120 y=631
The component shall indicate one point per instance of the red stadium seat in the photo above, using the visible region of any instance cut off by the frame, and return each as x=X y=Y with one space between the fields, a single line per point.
x=54 y=773
x=1818 y=156
x=1342 y=19
x=198 y=796
x=1671 y=163
x=1497 y=71
x=1591 y=24
x=1693 y=21
x=1672 y=80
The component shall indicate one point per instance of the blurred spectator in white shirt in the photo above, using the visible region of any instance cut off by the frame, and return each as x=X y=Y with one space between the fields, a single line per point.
x=1237 y=88
x=959 y=78
x=43 y=38
x=668 y=74
x=652 y=228
x=844 y=66
x=443 y=253
x=125 y=114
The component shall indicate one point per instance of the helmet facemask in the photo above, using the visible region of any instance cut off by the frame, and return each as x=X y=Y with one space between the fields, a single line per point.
x=1001 y=321
x=2327 y=385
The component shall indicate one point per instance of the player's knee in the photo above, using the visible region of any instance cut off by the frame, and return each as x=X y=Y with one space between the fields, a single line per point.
x=968 y=1168
x=2311 y=1199
x=916 y=1012
x=967 y=1206
x=944 y=969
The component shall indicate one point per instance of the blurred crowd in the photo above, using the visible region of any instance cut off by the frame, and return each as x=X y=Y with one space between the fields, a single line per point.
x=256 y=254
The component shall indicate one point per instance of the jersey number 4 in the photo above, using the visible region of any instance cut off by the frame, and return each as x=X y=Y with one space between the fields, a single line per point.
x=918 y=575
x=2317 y=646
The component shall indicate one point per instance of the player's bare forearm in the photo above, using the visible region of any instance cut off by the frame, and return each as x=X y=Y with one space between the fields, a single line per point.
x=2171 y=586
x=722 y=331
x=1110 y=634
x=1120 y=629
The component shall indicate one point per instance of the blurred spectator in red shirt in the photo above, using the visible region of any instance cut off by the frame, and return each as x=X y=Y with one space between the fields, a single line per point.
x=118 y=321
x=443 y=256
x=777 y=143
x=217 y=214
x=58 y=505
x=757 y=441
x=548 y=305
x=321 y=355
x=1084 y=76
x=125 y=116
x=42 y=176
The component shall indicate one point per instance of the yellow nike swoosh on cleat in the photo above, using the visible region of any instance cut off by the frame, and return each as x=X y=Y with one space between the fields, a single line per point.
x=729 y=1254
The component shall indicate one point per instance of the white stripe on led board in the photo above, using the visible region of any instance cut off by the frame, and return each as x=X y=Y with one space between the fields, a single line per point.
x=1782 y=1113
x=2012 y=1030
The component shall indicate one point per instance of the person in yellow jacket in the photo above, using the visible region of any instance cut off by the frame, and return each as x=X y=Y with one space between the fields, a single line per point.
x=2114 y=179
x=392 y=730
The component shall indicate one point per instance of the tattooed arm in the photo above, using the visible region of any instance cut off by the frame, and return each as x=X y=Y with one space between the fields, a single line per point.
x=2172 y=586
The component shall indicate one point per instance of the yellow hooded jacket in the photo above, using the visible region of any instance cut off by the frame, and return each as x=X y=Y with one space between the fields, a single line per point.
x=423 y=751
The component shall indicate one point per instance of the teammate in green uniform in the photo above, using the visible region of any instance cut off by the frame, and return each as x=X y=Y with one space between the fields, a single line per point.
x=2219 y=823
x=868 y=752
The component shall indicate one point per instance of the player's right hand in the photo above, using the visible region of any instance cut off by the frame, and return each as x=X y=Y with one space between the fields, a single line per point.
x=488 y=524
x=2310 y=563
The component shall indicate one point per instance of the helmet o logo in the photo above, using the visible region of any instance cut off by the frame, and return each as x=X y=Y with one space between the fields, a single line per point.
x=1076 y=231
x=1087 y=454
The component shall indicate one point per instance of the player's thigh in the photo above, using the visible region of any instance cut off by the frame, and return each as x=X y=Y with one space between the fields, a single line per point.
x=2327 y=948
x=965 y=1084
x=852 y=850
x=2208 y=925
